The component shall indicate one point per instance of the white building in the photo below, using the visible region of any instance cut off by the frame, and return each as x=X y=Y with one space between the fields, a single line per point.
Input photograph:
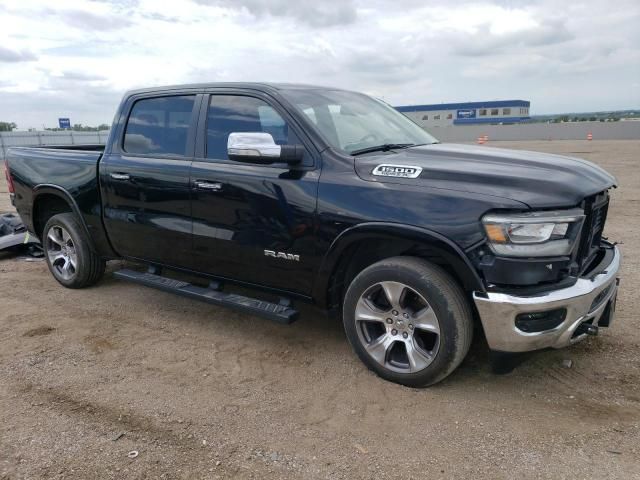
x=447 y=114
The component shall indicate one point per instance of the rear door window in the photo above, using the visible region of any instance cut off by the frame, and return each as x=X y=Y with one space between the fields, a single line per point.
x=159 y=126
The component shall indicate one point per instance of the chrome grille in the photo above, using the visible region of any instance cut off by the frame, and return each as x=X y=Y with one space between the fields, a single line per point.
x=596 y=208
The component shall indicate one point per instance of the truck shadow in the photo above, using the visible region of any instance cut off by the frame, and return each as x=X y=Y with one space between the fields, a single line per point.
x=315 y=338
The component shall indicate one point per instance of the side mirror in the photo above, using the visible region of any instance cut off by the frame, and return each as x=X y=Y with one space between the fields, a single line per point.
x=259 y=147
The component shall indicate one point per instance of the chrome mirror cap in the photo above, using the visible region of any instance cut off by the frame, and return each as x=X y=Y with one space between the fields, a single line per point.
x=255 y=145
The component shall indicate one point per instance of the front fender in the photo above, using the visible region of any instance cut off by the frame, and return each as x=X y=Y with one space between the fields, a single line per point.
x=437 y=243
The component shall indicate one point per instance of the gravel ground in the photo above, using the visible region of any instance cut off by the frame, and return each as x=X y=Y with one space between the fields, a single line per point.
x=202 y=392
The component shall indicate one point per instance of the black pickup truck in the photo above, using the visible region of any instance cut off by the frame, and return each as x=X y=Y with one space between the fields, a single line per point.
x=331 y=197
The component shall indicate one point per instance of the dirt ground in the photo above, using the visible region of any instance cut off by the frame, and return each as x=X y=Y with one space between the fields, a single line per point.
x=202 y=392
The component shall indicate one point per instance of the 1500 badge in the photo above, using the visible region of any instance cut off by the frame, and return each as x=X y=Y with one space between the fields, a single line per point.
x=402 y=171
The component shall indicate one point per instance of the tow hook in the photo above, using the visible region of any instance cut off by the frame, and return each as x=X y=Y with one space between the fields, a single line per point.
x=587 y=328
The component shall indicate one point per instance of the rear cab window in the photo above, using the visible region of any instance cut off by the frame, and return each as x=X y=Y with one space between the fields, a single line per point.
x=159 y=126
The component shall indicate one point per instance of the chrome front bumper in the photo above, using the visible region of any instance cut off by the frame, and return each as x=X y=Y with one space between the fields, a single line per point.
x=498 y=312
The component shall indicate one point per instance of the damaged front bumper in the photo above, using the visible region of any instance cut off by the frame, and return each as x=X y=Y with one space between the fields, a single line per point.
x=579 y=310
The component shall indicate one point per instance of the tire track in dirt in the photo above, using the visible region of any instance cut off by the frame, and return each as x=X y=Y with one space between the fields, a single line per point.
x=101 y=417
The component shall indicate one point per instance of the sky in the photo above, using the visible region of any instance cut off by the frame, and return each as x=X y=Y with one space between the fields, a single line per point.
x=76 y=58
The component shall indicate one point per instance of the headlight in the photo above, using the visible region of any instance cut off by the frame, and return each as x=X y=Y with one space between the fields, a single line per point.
x=533 y=234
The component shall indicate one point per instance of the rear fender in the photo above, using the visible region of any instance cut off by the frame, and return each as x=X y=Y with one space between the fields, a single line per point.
x=46 y=189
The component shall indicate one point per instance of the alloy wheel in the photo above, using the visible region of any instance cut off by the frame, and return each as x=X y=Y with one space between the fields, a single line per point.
x=397 y=327
x=61 y=252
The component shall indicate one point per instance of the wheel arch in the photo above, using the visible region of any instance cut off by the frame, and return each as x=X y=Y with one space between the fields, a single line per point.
x=58 y=198
x=362 y=245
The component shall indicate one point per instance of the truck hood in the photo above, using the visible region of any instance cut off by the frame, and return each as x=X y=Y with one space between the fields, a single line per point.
x=540 y=180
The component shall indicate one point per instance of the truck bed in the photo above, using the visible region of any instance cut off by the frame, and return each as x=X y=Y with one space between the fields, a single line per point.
x=61 y=165
x=67 y=171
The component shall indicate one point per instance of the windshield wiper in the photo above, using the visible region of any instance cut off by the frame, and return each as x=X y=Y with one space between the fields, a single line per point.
x=383 y=148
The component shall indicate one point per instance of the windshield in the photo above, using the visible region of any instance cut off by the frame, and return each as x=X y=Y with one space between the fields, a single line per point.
x=352 y=121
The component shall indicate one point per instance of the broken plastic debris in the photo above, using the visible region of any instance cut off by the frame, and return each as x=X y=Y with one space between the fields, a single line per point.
x=13 y=233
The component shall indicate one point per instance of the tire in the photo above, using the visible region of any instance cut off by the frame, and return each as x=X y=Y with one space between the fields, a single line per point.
x=69 y=257
x=408 y=321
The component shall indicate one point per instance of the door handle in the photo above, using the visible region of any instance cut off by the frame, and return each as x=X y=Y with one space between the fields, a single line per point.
x=120 y=176
x=210 y=186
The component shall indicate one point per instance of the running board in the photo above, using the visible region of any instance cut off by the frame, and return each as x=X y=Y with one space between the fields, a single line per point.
x=280 y=312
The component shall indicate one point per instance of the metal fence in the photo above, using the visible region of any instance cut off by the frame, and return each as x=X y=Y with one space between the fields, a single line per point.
x=627 y=130
x=32 y=139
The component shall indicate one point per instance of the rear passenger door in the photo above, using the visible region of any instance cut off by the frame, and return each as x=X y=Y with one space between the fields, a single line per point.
x=145 y=180
x=252 y=212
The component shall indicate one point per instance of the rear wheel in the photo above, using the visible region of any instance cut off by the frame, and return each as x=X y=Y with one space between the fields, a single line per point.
x=408 y=321
x=69 y=257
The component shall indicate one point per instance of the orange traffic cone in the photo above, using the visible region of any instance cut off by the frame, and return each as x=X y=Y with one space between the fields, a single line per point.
x=481 y=139
x=589 y=136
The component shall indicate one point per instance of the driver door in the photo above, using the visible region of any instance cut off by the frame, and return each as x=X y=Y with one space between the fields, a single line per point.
x=244 y=213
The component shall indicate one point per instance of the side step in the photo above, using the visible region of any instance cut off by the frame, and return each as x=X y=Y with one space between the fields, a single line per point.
x=279 y=312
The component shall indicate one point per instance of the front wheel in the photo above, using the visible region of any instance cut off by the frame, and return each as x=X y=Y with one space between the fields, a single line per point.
x=408 y=321
x=69 y=256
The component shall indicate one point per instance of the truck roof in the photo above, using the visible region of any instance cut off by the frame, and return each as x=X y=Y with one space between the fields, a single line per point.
x=262 y=86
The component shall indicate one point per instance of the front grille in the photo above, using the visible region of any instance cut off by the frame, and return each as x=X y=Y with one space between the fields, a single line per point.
x=595 y=209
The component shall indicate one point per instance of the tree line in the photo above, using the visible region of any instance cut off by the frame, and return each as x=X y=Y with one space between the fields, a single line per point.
x=78 y=127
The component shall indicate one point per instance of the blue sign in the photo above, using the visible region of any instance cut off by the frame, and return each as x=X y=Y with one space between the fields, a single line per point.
x=64 y=123
x=467 y=113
